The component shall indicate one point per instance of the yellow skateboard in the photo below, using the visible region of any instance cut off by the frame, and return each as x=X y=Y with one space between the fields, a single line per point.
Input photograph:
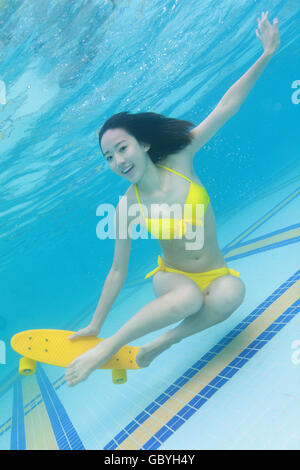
x=54 y=347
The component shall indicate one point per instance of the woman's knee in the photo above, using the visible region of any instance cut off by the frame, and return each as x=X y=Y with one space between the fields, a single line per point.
x=183 y=293
x=186 y=301
x=225 y=295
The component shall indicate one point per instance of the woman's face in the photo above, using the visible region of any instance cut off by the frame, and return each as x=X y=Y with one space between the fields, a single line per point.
x=125 y=155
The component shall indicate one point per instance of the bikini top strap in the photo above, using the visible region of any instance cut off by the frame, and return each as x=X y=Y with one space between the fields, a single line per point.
x=138 y=198
x=176 y=172
x=173 y=171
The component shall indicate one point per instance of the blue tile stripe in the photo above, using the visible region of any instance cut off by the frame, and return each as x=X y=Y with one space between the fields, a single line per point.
x=263 y=219
x=5 y=426
x=37 y=400
x=217 y=382
x=222 y=378
x=66 y=435
x=267 y=235
x=18 y=441
x=267 y=247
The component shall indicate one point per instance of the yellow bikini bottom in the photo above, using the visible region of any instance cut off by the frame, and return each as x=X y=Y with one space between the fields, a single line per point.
x=201 y=279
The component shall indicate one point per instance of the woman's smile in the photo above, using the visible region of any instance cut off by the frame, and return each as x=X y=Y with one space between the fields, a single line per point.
x=128 y=169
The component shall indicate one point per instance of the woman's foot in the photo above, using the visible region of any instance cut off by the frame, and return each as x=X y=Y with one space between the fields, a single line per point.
x=83 y=365
x=150 y=351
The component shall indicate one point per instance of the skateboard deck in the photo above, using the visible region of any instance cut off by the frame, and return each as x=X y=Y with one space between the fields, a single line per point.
x=55 y=348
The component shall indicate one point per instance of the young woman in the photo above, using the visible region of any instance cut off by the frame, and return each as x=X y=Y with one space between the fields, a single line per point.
x=194 y=286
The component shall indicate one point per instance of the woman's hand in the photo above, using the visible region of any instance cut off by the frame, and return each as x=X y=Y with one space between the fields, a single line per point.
x=89 y=330
x=269 y=34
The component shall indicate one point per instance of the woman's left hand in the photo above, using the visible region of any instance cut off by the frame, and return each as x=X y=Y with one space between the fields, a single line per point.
x=269 y=34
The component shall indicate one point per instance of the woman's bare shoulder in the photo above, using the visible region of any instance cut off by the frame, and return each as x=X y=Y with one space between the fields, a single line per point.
x=181 y=161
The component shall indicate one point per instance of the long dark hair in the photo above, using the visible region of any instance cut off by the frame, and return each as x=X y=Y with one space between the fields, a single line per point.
x=165 y=135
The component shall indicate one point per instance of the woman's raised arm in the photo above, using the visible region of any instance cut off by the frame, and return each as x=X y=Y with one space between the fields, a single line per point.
x=238 y=92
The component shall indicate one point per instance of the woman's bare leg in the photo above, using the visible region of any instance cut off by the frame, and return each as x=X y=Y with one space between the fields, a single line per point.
x=222 y=298
x=183 y=300
x=159 y=313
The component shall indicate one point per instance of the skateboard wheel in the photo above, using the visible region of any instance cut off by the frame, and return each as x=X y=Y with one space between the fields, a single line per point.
x=27 y=366
x=119 y=376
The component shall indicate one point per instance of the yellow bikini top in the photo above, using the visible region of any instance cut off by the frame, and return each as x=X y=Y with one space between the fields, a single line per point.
x=168 y=229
